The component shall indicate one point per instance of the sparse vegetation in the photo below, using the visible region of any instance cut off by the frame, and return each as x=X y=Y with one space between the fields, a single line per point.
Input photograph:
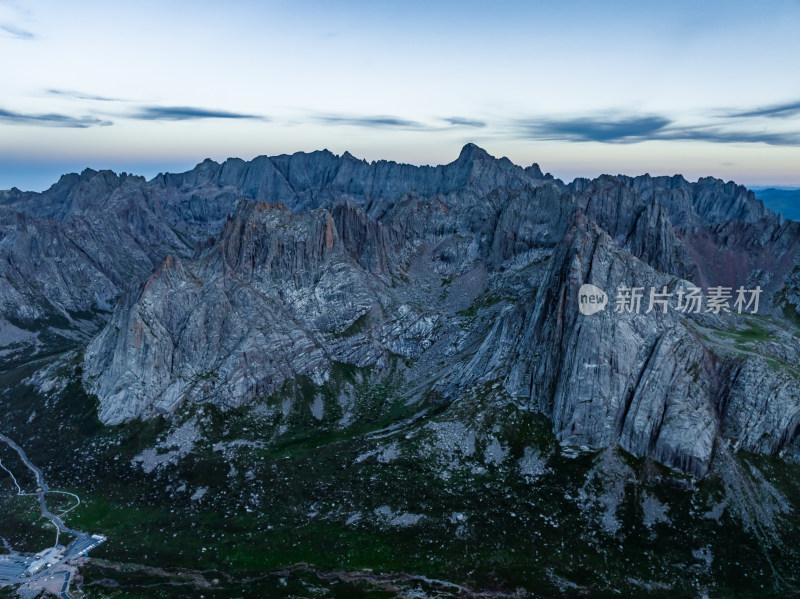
x=478 y=493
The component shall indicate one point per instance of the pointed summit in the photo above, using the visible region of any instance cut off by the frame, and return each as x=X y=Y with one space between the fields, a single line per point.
x=534 y=171
x=87 y=174
x=472 y=152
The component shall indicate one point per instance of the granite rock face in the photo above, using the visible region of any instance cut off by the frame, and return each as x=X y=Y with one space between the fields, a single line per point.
x=70 y=252
x=235 y=278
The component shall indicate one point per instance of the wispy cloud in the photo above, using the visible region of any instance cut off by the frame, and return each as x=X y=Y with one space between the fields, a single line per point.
x=780 y=111
x=185 y=113
x=81 y=95
x=721 y=135
x=636 y=129
x=380 y=121
x=608 y=130
x=458 y=121
x=16 y=32
x=51 y=120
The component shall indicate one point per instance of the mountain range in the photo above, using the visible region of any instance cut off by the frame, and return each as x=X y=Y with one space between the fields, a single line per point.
x=429 y=314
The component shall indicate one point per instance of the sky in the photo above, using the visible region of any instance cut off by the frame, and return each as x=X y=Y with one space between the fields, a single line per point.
x=701 y=87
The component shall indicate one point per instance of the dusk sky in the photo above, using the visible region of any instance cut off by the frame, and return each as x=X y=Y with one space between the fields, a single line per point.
x=582 y=88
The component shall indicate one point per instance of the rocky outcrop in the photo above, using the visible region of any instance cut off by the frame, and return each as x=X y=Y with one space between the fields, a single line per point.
x=761 y=412
x=69 y=253
x=253 y=310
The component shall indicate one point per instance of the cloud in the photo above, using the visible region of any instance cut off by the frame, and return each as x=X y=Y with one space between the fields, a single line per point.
x=20 y=34
x=51 y=120
x=778 y=111
x=371 y=121
x=458 y=121
x=185 y=113
x=720 y=135
x=636 y=129
x=81 y=95
x=607 y=130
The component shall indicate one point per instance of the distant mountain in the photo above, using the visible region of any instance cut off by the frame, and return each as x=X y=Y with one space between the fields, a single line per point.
x=782 y=201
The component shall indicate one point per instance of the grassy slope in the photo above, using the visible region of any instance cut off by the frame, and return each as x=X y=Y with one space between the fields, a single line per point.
x=335 y=499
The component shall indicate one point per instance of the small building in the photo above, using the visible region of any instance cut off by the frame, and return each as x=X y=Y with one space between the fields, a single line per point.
x=44 y=560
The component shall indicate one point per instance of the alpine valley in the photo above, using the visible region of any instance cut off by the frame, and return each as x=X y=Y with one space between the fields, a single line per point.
x=310 y=375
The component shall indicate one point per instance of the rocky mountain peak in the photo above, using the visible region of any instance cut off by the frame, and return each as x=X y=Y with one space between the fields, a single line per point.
x=471 y=152
x=535 y=172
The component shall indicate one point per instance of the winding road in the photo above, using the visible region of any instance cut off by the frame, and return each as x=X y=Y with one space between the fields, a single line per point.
x=83 y=541
x=42 y=490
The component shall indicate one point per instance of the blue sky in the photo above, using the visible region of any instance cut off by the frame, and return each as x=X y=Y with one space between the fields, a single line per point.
x=700 y=88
